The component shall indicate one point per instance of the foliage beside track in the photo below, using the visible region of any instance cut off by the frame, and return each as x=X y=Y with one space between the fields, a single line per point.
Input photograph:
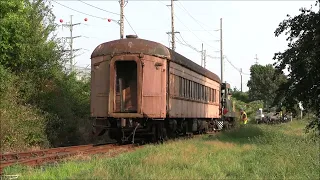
x=251 y=152
x=250 y=108
x=40 y=104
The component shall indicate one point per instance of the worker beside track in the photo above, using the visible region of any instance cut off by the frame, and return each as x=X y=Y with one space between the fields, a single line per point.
x=243 y=117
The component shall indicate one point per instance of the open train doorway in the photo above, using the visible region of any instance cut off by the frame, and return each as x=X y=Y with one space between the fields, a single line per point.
x=126 y=87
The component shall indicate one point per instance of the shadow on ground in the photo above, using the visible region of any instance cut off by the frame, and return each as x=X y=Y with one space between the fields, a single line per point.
x=242 y=135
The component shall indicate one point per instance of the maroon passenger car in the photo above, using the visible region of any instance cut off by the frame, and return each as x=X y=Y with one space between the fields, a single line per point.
x=142 y=90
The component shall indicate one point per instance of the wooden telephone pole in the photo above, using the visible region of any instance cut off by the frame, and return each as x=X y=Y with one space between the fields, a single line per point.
x=173 y=43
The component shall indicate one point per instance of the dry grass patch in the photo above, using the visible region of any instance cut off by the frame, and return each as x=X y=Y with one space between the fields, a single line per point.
x=158 y=159
x=296 y=132
x=221 y=145
x=183 y=151
x=217 y=146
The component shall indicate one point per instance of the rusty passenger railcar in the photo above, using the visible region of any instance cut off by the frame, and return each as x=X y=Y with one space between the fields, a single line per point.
x=143 y=90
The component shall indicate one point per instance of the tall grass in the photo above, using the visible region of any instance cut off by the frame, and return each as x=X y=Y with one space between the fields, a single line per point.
x=251 y=152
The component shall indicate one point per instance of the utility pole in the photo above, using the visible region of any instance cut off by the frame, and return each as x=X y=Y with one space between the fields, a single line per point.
x=256 y=58
x=173 y=43
x=121 y=19
x=241 y=77
x=202 y=55
x=221 y=52
x=70 y=26
x=204 y=58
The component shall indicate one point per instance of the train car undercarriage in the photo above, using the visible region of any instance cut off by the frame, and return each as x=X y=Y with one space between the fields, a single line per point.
x=130 y=130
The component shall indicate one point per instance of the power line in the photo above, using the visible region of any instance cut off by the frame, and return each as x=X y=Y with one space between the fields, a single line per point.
x=207 y=55
x=130 y=25
x=186 y=44
x=79 y=11
x=111 y=13
x=94 y=15
x=99 y=8
x=238 y=69
x=189 y=29
x=197 y=21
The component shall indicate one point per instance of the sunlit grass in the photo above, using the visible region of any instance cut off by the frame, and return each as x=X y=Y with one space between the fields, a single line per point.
x=252 y=152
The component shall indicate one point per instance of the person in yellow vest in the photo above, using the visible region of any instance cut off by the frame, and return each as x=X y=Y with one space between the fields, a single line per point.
x=243 y=117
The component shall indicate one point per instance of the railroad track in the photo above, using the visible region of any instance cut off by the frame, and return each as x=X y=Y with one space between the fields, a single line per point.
x=39 y=157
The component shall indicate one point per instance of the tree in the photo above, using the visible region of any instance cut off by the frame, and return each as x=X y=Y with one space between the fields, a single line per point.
x=39 y=102
x=25 y=27
x=303 y=61
x=241 y=96
x=263 y=83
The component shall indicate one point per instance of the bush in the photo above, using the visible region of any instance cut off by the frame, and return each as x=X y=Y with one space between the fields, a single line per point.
x=22 y=125
x=250 y=108
x=40 y=104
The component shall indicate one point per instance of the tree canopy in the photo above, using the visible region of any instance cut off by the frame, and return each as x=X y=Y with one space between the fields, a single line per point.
x=40 y=104
x=302 y=59
x=25 y=27
x=263 y=83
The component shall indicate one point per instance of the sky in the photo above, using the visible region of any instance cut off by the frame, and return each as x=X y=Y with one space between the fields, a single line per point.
x=248 y=29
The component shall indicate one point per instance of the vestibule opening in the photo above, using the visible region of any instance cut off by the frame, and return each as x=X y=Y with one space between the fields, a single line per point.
x=126 y=86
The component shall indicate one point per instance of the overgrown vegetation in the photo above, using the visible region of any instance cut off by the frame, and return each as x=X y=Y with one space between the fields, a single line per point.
x=253 y=152
x=263 y=83
x=41 y=105
x=302 y=58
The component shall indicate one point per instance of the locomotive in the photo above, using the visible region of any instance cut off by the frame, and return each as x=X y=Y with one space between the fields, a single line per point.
x=143 y=91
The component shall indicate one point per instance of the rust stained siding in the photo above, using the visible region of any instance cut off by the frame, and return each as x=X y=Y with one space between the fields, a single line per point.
x=154 y=87
x=184 y=108
x=152 y=82
x=146 y=47
x=99 y=86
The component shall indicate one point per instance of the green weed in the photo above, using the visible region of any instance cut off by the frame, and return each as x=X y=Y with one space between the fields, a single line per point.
x=251 y=152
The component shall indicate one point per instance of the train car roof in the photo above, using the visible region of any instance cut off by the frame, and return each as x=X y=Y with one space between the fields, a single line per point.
x=137 y=46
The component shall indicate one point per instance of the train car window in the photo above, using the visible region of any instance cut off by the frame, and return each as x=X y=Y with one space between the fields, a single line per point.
x=188 y=89
x=191 y=90
x=199 y=85
x=183 y=87
x=202 y=92
x=180 y=86
x=176 y=85
x=195 y=91
x=212 y=95
x=205 y=93
x=199 y=93
x=208 y=94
